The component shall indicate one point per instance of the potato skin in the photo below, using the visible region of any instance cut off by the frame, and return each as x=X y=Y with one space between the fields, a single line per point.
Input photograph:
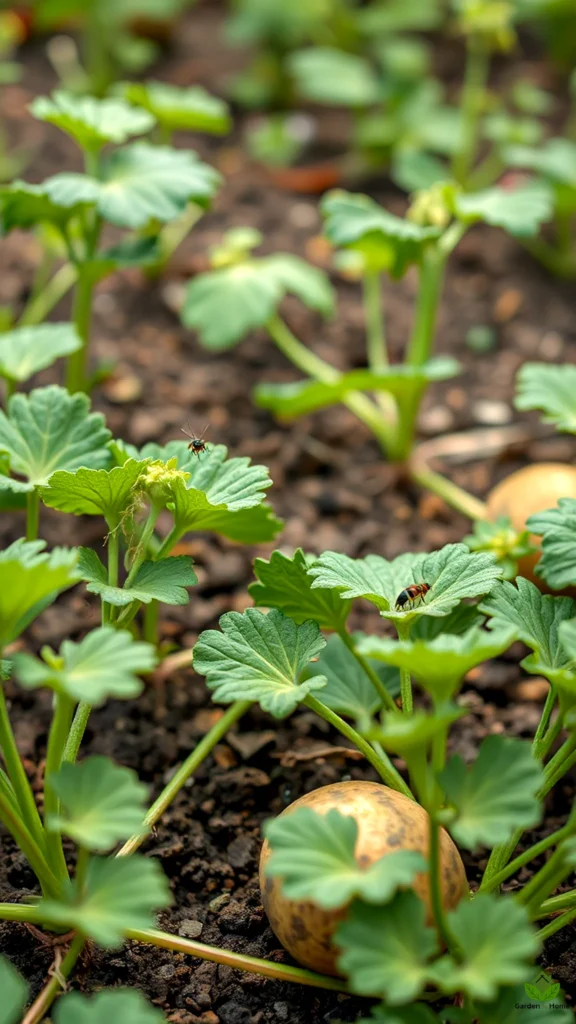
x=387 y=821
x=529 y=490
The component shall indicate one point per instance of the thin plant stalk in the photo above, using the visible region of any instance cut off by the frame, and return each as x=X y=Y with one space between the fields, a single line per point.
x=39 y=306
x=546 y=880
x=150 y=625
x=17 y=775
x=375 y=335
x=526 y=856
x=403 y=630
x=240 y=961
x=453 y=495
x=373 y=676
x=435 y=875
x=539 y=745
x=57 y=738
x=81 y=316
x=383 y=765
x=186 y=769
x=53 y=987
x=76 y=733
x=25 y=913
x=476 y=77
x=32 y=514
x=565 y=901
x=556 y=924
x=10 y=817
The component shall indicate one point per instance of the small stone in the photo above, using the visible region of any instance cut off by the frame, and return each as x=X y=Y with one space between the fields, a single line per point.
x=217 y=904
x=303 y=215
x=507 y=305
x=437 y=420
x=532 y=689
x=492 y=413
x=551 y=346
x=125 y=388
x=190 y=929
x=281 y=1010
x=233 y=1013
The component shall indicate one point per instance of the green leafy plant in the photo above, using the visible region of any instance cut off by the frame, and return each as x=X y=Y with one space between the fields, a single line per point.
x=138 y=187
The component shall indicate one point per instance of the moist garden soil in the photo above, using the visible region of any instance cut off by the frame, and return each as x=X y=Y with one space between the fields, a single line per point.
x=334 y=492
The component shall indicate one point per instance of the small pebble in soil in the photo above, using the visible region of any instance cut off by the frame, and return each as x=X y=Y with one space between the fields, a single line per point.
x=190 y=929
x=492 y=413
x=437 y=420
x=232 y=1013
x=551 y=345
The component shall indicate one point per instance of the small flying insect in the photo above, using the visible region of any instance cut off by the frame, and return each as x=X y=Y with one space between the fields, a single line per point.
x=410 y=595
x=197 y=444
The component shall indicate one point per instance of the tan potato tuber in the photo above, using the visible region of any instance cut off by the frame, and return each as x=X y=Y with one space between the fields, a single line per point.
x=387 y=821
x=529 y=490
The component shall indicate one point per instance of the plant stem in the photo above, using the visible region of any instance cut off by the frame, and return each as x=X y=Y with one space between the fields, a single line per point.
x=453 y=495
x=385 y=697
x=252 y=964
x=375 y=336
x=59 y=730
x=39 y=306
x=525 y=857
x=403 y=630
x=555 y=925
x=32 y=514
x=140 y=553
x=168 y=543
x=18 y=777
x=548 y=878
x=173 y=234
x=76 y=733
x=150 y=628
x=477 y=67
x=186 y=769
x=311 y=364
x=11 y=818
x=383 y=765
x=44 y=1001
x=81 y=316
x=544 y=737
x=20 y=912
x=565 y=901
x=431 y=279
x=435 y=875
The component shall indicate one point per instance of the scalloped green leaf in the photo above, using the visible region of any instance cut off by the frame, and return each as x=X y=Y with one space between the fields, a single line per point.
x=26 y=350
x=120 y=1006
x=31 y=579
x=348 y=690
x=119 y=893
x=497 y=946
x=453 y=574
x=92 y=122
x=14 y=992
x=223 y=305
x=440 y=665
x=100 y=803
x=551 y=390
x=521 y=211
x=105 y=664
x=507 y=544
x=386 y=950
x=495 y=795
x=24 y=205
x=48 y=430
x=557 y=527
x=408 y=734
x=191 y=109
x=554 y=159
x=298 y=398
x=165 y=580
x=284 y=583
x=387 y=242
x=325 y=74
x=259 y=657
x=95 y=492
x=314 y=856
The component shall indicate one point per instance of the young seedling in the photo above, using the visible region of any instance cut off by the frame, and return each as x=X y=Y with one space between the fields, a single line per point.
x=137 y=186
x=385 y=397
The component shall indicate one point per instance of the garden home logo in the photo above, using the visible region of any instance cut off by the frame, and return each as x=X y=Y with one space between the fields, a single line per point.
x=543 y=990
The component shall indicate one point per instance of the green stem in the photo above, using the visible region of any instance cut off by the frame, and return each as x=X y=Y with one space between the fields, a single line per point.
x=544 y=737
x=57 y=738
x=140 y=553
x=169 y=542
x=476 y=77
x=31 y=914
x=39 y=306
x=546 y=880
x=430 y=282
x=525 y=857
x=173 y=234
x=32 y=514
x=436 y=884
x=76 y=733
x=565 y=901
x=81 y=316
x=186 y=769
x=10 y=386
x=239 y=961
x=11 y=818
x=43 y=1002
x=453 y=495
x=18 y=777
x=554 y=926
x=373 y=676
x=403 y=630
x=150 y=627
x=386 y=770
x=376 y=340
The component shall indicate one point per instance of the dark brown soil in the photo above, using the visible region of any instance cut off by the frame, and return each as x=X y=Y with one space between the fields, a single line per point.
x=334 y=492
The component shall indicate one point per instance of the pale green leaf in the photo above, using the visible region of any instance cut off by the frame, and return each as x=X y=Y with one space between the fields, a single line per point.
x=104 y=664
x=100 y=803
x=494 y=796
x=120 y=1006
x=348 y=689
x=119 y=893
x=554 y=159
x=497 y=945
x=284 y=583
x=95 y=492
x=314 y=856
x=259 y=657
x=31 y=579
x=26 y=350
x=519 y=211
x=92 y=122
x=14 y=993
x=223 y=305
x=405 y=734
x=551 y=389
x=557 y=527
x=165 y=580
x=298 y=398
x=453 y=573
x=186 y=109
x=47 y=430
x=24 y=205
x=440 y=665
x=386 y=950
x=502 y=540
x=326 y=75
